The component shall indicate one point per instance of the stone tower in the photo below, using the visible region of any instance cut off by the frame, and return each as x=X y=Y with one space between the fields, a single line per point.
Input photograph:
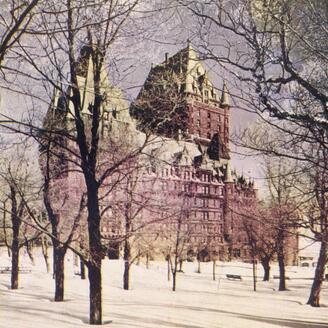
x=179 y=101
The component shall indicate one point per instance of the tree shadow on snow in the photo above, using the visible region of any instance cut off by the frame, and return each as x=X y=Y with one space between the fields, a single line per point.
x=44 y=313
x=104 y=323
x=290 y=323
x=156 y=322
x=284 y=322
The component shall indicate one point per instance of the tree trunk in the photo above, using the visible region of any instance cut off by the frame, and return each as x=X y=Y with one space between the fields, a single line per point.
x=29 y=250
x=168 y=268
x=314 y=299
x=198 y=268
x=16 y=223
x=14 y=264
x=59 y=267
x=147 y=261
x=44 y=246
x=254 y=275
x=95 y=292
x=138 y=258
x=214 y=265
x=96 y=255
x=266 y=267
x=180 y=265
x=126 y=274
x=282 y=273
x=174 y=280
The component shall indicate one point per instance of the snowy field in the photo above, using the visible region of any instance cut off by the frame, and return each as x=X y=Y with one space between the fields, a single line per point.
x=199 y=302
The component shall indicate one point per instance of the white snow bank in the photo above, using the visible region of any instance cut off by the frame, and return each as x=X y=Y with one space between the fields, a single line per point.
x=199 y=302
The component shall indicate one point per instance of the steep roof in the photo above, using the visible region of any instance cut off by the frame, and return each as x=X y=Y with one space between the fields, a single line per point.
x=184 y=70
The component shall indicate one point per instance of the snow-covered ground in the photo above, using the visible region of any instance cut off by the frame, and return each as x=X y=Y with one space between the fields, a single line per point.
x=199 y=302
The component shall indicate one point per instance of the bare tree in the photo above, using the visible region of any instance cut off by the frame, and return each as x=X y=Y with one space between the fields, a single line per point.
x=277 y=51
x=135 y=208
x=61 y=236
x=15 y=18
x=94 y=28
x=19 y=184
x=317 y=213
x=175 y=239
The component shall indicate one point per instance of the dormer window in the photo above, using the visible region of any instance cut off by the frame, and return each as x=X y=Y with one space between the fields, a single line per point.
x=114 y=113
x=213 y=95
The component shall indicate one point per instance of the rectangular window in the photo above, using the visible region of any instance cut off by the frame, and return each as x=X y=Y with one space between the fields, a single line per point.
x=185 y=187
x=114 y=113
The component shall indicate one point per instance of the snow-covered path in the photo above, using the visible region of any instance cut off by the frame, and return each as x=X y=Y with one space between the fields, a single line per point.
x=199 y=302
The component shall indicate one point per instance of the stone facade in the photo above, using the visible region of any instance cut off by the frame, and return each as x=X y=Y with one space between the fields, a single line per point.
x=185 y=181
x=196 y=118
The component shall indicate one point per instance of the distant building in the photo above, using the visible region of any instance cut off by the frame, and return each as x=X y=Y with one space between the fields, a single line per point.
x=186 y=167
x=179 y=102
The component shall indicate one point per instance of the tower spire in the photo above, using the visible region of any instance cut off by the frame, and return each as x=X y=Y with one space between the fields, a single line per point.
x=228 y=176
x=225 y=95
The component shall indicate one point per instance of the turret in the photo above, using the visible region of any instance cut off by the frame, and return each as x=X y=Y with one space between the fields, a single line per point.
x=228 y=176
x=225 y=96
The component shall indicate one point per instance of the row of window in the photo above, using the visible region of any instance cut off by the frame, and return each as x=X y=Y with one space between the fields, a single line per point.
x=186 y=175
x=209 y=135
x=188 y=187
x=211 y=116
x=206 y=240
x=191 y=228
x=209 y=124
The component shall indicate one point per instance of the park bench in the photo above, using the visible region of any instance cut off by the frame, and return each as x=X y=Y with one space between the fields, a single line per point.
x=278 y=277
x=234 y=277
x=7 y=269
x=24 y=270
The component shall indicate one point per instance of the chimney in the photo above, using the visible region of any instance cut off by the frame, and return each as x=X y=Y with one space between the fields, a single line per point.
x=166 y=58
